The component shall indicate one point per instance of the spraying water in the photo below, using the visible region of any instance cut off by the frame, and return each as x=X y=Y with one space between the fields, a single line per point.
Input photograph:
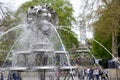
x=107 y=50
x=10 y=51
x=12 y=29
x=39 y=39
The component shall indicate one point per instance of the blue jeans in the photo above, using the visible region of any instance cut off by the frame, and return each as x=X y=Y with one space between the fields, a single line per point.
x=97 y=77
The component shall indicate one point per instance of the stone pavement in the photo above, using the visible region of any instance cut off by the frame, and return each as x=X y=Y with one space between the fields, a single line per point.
x=36 y=78
x=113 y=75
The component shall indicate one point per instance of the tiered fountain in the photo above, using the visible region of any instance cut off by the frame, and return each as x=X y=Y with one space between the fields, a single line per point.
x=40 y=48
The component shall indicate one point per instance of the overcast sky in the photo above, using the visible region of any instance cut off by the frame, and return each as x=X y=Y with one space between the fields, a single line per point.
x=16 y=3
x=76 y=4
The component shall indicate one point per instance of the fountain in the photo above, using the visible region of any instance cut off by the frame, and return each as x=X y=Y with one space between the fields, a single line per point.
x=39 y=47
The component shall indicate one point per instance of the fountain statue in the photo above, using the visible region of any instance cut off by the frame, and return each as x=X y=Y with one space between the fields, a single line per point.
x=39 y=48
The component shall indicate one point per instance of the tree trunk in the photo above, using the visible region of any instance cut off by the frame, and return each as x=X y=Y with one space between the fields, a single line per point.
x=114 y=43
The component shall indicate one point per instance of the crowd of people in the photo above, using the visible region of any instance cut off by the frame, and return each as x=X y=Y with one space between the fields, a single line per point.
x=82 y=73
x=12 y=75
x=92 y=74
x=15 y=75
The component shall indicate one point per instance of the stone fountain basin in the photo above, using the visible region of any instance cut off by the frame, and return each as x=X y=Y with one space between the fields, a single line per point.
x=39 y=68
x=68 y=67
x=42 y=50
x=60 y=52
x=23 y=52
x=17 y=68
x=53 y=67
x=43 y=67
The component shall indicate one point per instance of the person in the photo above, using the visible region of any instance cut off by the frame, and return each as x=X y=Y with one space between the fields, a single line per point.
x=87 y=73
x=19 y=75
x=102 y=75
x=91 y=74
x=1 y=76
x=10 y=76
x=78 y=60
x=93 y=60
x=16 y=75
x=51 y=75
x=45 y=60
x=80 y=74
x=106 y=74
x=96 y=73
x=72 y=73
x=58 y=74
x=65 y=64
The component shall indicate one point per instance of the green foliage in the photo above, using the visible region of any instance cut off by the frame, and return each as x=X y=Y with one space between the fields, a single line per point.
x=68 y=39
x=119 y=43
x=7 y=40
x=99 y=51
x=108 y=22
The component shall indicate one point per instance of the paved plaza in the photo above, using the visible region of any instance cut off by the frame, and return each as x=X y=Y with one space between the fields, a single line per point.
x=113 y=75
x=47 y=78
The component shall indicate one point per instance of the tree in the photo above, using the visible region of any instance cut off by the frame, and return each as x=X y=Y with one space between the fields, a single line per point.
x=109 y=25
x=4 y=12
x=105 y=20
x=6 y=22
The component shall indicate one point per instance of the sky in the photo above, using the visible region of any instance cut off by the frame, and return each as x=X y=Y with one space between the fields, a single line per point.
x=76 y=6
